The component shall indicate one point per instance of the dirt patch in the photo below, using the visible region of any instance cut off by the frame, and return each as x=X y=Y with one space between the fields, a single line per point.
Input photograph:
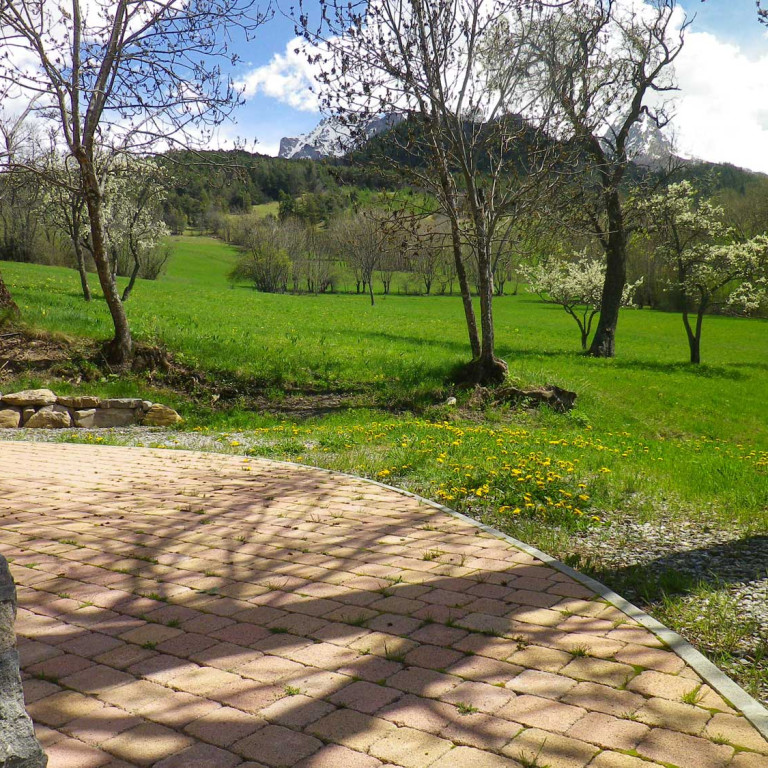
x=24 y=351
x=74 y=360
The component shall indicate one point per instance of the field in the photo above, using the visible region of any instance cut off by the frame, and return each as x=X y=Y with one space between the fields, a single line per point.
x=652 y=441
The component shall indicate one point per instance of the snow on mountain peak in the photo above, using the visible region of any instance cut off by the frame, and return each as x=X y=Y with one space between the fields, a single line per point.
x=330 y=138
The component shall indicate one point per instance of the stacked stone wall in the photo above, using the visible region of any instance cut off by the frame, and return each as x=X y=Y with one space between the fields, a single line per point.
x=43 y=409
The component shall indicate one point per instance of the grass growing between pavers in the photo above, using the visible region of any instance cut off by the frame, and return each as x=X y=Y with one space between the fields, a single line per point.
x=652 y=439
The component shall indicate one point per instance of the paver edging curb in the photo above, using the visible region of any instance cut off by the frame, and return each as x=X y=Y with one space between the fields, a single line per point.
x=752 y=710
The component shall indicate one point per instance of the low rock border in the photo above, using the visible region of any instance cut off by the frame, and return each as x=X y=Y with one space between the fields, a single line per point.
x=43 y=409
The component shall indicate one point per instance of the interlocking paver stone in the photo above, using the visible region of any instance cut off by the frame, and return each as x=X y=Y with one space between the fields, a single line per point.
x=224 y=726
x=410 y=748
x=146 y=744
x=303 y=626
x=277 y=746
x=609 y=732
x=749 y=760
x=543 y=748
x=687 y=751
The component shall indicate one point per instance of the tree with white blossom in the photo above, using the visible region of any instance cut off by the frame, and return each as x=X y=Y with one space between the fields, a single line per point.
x=707 y=267
x=116 y=77
x=134 y=225
x=576 y=285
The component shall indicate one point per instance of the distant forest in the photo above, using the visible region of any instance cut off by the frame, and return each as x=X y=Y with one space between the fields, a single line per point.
x=231 y=182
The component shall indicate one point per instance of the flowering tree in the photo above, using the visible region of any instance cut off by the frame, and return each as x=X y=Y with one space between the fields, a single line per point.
x=133 y=221
x=577 y=286
x=706 y=267
x=600 y=67
x=119 y=76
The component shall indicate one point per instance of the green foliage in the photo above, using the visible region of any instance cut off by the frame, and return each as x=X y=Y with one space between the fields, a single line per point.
x=233 y=181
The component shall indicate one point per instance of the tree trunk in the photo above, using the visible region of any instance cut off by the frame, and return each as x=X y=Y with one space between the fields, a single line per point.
x=120 y=350
x=134 y=274
x=693 y=341
x=461 y=273
x=81 y=268
x=466 y=293
x=487 y=368
x=370 y=290
x=6 y=300
x=604 y=340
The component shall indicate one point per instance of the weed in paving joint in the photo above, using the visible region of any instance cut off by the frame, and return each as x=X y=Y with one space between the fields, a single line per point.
x=694 y=696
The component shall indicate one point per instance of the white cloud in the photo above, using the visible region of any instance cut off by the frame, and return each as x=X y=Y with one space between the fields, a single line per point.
x=288 y=77
x=722 y=110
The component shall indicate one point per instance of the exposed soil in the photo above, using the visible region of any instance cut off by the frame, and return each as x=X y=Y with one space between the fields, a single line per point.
x=75 y=360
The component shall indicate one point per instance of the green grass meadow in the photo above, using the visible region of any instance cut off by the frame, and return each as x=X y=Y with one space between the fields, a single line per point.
x=411 y=344
x=652 y=438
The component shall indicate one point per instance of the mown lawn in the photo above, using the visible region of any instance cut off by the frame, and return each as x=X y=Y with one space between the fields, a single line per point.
x=652 y=438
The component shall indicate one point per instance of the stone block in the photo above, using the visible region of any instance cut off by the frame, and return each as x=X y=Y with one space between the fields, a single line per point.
x=27 y=414
x=81 y=401
x=30 y=397
x=116 y=417
x=84 y=417
x=18 y=746
x=160 y=416
x=50 y=417
x=122 y=402
x=10 y=417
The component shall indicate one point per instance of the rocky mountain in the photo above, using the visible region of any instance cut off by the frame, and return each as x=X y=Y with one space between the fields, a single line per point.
x=649 y=145
x=330 y=138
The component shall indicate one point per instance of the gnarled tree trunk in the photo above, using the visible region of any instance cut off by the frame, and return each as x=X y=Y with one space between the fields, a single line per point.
x=604 y=340
x=119 y=351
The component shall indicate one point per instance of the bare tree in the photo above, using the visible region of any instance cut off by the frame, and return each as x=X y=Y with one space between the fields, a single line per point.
x=601 y=67
x=431 y=61
x=120 y=75
x=426 y=251
x=65 y=211
x=359 y=240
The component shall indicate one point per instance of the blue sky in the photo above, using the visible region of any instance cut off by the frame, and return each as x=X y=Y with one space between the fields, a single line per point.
x=723 y=75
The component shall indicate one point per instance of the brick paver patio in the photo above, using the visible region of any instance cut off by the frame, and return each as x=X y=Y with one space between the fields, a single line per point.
x=190 y=610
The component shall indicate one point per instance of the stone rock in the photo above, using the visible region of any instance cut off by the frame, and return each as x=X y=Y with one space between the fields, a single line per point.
x=10 y=418
x=82 y=401
x=560 y=400
x=146 y=405
x=27 y=414
x=122 y=402
x=160 y=416
x=18 y=746
x=84 y=418
x=30 y=397
x=450 y=401
x=116 y=417
x=50 y=417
